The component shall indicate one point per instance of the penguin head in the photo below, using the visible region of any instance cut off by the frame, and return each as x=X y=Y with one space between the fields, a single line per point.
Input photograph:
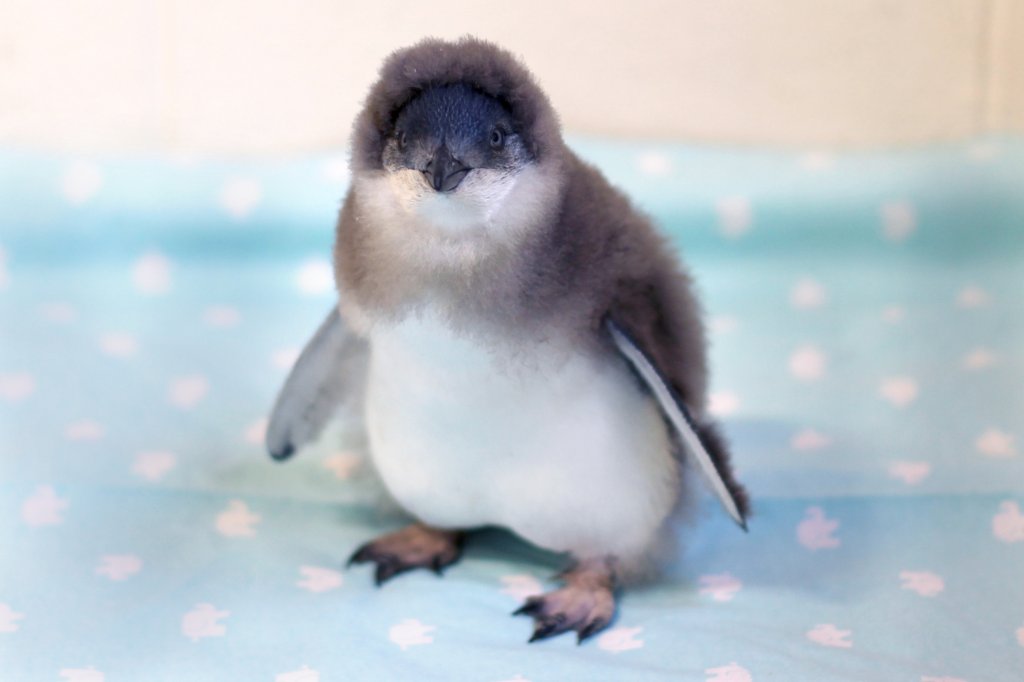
x=456 y=136
x=453 y=157
x=448 y=132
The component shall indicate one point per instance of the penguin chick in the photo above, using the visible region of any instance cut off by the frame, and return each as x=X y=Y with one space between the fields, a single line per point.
x=530 y=353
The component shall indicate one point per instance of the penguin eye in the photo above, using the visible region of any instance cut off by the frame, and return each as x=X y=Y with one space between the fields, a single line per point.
x=403 y=139
x=497 y=139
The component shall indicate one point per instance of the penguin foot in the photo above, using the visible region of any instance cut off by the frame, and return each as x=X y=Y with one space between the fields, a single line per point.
x=415 y=546
x=585 y=605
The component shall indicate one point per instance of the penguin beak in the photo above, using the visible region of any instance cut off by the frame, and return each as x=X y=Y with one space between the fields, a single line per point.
x=443 y=172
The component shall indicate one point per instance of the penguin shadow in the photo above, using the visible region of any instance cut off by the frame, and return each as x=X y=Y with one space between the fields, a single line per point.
x=704 y=543
x=799 y=543
x=481 y=547
x=492 y=544
x=335 y=467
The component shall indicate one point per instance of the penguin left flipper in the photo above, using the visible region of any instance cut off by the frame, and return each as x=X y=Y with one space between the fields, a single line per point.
x=329 y=368
x=677 y=414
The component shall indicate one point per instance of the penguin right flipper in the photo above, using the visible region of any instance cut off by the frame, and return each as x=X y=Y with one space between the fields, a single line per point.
x=701 y=441
x=329 y=369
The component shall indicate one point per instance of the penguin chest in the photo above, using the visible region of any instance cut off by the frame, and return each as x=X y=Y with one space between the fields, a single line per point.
x=558 y=445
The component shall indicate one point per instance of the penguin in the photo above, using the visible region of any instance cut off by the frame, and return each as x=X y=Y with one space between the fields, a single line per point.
x=526 y=349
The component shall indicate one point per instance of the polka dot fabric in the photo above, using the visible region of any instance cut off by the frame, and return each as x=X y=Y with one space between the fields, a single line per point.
x=866 y=318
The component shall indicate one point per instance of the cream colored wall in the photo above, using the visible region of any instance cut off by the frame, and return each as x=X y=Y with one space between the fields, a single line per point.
x=253 y=77
x=1005 y=105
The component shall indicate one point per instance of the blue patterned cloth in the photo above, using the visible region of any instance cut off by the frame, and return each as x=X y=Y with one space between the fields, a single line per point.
x=867 y=317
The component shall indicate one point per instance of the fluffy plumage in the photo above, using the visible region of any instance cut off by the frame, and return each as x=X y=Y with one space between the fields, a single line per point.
x=483 y=283
x=578 y=251
x=433 y=62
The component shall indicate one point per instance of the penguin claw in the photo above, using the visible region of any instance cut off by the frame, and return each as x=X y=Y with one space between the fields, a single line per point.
x=531 y=606
x=360 y=556
x=388 y=569
x=590 y=629
x=549 y=628
x=585 y=608
x=415 y=546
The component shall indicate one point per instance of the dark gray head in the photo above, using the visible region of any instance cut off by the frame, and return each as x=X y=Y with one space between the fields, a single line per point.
x=457 y=141
x=456 y=159
x=448 y=131
x=467 y=66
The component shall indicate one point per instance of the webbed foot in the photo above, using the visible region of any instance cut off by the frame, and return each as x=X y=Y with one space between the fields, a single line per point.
x=585 y=605
x=415 y=546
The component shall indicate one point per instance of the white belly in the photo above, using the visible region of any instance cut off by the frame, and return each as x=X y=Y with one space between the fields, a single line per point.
x=560 y=447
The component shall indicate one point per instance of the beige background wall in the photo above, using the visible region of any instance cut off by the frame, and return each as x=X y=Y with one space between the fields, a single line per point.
x=253 y=77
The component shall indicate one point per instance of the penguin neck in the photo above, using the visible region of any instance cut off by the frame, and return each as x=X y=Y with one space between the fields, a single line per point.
x=391 y=261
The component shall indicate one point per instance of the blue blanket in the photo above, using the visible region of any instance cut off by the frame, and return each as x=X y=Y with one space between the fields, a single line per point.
x=867 y=325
